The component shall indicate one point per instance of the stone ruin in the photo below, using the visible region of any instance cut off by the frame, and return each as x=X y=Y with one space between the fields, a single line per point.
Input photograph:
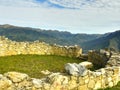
x=76 y=77
x=8 y=47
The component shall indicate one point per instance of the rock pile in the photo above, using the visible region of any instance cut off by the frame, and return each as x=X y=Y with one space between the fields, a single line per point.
x=114 y=60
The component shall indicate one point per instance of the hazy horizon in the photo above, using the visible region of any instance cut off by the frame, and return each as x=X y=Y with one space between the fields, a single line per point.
x=75 y=16
x=56 y=30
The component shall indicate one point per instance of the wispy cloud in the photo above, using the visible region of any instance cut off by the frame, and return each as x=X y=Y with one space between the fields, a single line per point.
x=91 y=16
x=77 y=4
x=18 y=3
x=87 y=3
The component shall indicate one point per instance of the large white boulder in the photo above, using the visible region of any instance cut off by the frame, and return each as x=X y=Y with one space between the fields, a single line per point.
x=75 y=69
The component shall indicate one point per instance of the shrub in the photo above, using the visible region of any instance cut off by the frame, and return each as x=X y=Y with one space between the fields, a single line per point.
x=98 y=59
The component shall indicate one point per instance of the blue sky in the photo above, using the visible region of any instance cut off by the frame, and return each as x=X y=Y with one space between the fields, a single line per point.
x=76 y=16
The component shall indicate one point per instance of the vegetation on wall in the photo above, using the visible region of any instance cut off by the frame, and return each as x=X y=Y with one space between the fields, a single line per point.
x=99 y=60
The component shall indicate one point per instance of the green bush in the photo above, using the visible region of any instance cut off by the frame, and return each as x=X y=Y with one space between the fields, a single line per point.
x=99 y=60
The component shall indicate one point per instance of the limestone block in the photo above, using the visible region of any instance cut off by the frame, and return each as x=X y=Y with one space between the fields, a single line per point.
x=5 y=84
x=98 y=84
x=102 y=71
x=75 y=69
x=91 y=84
x=86 y=80
x=81 y=81
x=109 y=79
x=25 y=85
x=110 y=84
x=46 y=72
x=98 y=74
x=86 y=64
x=72 y=69
x=116 y=71
x=82 y=71
x=82 y=87
x=46 y=86
x=1 y=76
x=37 y=83
x=57 y=81
x=103 y=83
x=16 y=77
x=73 y=82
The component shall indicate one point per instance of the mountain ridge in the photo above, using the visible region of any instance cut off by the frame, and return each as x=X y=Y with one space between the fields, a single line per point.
x=86 y=41
x=50 y=36
x=111 y=41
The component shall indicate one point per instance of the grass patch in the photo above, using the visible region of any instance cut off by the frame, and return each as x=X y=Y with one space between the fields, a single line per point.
x=34 y=64
x=117 y=87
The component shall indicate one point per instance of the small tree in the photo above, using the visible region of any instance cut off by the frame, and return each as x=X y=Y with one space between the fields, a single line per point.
x=99 y=60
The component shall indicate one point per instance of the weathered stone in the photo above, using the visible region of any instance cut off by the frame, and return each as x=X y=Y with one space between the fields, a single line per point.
x=86 y=64
x=98 y=73
x=46 y=72
x=103 y=71
x=1 y=76
x=16 y=77
x=46 y=86
x=114 y=60
x=75 y=69
x=71 y=69
x=98 y=84
x=73 y=82
x=25 y=85
x=57 y=81
x=81 y=81
x=37 y=83
x=103 y=83
x=116 y=71
x=82 y=87
x=91 y=84
x=110 y=84
x=5 y=84
x=109 y=79
x=86 y=80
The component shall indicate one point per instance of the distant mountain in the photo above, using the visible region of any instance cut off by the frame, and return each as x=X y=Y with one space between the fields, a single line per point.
x=109 y=40
x=86 y=41
x=50 y=36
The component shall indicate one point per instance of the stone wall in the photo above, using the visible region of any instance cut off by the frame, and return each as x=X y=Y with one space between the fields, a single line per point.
x=8 y=47
x=114 y=60
x=76 y=77
x=91 y=80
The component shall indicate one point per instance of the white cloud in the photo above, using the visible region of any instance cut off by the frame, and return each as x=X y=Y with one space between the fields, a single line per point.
x=89 y=18
x=87 y=3
x=21 y=3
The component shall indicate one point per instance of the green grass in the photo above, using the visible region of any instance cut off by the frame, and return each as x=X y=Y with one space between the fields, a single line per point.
x=117 y=87
x=34 y=64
